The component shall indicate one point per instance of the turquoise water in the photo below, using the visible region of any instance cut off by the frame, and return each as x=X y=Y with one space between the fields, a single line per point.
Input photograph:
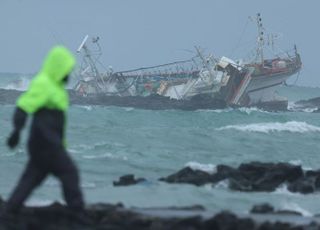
x=108 y=142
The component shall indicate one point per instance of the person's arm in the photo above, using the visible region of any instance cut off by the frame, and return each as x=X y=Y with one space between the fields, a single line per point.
x=28 y=103
x=19 y=120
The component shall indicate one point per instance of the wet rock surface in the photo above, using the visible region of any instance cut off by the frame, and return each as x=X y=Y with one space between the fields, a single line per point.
x=268 y=209
x=253 y=177
x=106 y=216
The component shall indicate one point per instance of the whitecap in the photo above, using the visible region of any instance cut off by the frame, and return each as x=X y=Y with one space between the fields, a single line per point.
x=88 y=185
x=296 y=162
x=91 y=147
x=20 y=84
x=85 y=107
x=222 y=184
x=209 y=168
x=104 y=155
x=128 y=109
x=73 y=151
x=299 y=163
x=99 y=156
x=215 y=110
x=296 y=108
x=291 y=126
x=251 y=109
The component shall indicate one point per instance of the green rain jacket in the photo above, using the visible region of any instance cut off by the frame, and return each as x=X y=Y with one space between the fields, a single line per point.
x=47 y=100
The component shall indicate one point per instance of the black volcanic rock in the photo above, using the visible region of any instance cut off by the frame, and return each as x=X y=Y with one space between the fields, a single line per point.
x=128 y=180
x=268 y=209
x=304 y=185
x=190 y=176
x=229 y=221
x=309 y=103
x=262 y=209
x=257 y=176
x=116 y=217
x=254 y=176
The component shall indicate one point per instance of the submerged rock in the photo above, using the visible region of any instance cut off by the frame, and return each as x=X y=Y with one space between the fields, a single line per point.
x=128 y=180
x=262 y=209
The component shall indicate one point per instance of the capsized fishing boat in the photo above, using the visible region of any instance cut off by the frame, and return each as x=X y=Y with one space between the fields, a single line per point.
x=202 y=82
x=268 y=74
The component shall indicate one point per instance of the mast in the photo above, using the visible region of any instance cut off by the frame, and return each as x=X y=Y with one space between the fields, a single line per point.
x=90 y=62
x=260 y=39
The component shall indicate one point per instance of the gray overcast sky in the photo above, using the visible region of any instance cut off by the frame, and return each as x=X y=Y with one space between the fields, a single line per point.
x=136 y=33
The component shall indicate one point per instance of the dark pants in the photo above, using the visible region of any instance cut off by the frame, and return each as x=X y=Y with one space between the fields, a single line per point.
x=40 y=165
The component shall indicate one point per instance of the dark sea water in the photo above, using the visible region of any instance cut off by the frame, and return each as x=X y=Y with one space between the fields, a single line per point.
x=108 y=142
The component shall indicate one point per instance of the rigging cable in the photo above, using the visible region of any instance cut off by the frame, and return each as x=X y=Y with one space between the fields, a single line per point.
x=239 y=41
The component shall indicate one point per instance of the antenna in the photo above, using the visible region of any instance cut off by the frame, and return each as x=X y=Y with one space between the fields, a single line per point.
x=260 y=38
x=82 y=43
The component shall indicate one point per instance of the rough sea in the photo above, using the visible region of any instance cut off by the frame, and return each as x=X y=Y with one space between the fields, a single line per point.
x=108 y=142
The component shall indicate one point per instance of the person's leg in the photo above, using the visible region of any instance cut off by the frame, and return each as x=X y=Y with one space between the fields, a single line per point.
x=65 y=170
x=31 y=178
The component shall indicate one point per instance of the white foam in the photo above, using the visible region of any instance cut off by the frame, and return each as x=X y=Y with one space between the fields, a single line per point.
x=222 y=184
x=91 y=147
x=251 y=109
x=20 y=84
x=283 y=190
x=88 y=185
x=209 y=168
x=296 y=108
x=128 y=109
x=215 y=110
x=295 y=207
x=299 y=163
x=104 y=155
x=291 y=126
x=296 y=162
x=85 y=107
x=99 y=156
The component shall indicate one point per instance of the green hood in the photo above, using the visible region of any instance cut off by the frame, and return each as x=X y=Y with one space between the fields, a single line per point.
x=58 y=64
x=46 y=90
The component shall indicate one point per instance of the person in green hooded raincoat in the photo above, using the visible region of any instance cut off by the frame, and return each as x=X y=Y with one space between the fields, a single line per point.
x=47 y=101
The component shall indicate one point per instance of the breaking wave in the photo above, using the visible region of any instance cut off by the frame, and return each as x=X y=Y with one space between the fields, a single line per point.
x=295 y=207
x=299 y=163
x=215 y=110
x=19 y=84
x=209 y=168
x=283 y=190
x=291 y=126
x=251 y=110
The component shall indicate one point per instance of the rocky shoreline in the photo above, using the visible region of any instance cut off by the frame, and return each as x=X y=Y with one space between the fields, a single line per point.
x=248 y=177
x=106 y=216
